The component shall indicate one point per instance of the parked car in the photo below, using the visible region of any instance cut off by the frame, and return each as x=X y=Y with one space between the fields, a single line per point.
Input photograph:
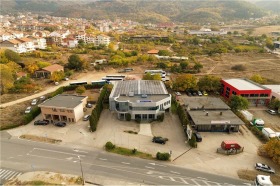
x=27 y=110
x=159 y=140
x=272 y=112
x=34 y=102
x=194 y=93
x=205 y=93
x=178 y=93
x=41 y=122
x=88 y=105
x=66 y=79
x=56 y=83
x=42 y=98
x=199 y=93
x=86 y=117
x=60 y=124
x=264 y=167
x=197 y=137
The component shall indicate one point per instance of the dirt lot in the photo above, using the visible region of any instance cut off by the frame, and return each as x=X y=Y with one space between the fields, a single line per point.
x=267 y=65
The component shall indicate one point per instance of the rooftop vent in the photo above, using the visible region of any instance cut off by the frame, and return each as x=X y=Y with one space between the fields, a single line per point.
x=144 y=96
x=131 y=94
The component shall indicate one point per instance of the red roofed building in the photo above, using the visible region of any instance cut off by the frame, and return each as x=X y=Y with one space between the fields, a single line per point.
x=153 y=52
x=48 y=71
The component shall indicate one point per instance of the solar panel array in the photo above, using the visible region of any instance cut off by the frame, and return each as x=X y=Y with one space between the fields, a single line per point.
x=139 y=87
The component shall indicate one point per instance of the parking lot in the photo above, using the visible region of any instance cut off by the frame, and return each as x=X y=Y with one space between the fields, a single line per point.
x=204 y=157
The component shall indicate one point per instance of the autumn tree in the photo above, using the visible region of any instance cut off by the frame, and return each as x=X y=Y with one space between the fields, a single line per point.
x=150 y=76
x=258 y=79
x=80 y=90
x=31 y=67
x=12 y=56
x=183 y=82
x=7 y=78
x=75 y=62
x=272 y=149
x=43 y=64
x=209 y=83
x=57 y=76
x=238 y=103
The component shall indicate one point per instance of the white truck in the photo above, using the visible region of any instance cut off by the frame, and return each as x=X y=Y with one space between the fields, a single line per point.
x=262 y=180
x=269 y=133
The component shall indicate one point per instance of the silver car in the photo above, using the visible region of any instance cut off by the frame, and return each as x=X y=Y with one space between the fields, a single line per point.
x=264 y=167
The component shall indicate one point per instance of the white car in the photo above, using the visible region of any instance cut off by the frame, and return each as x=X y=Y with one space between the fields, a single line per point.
x=178 y=93
x=27 y=110
x=272 y=112
x=265 y=168
x=86 y=117
x=34 y=102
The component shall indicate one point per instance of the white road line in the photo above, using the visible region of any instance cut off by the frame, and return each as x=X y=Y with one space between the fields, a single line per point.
x=7 y=175
x=2 y=170
x=175 y=172
x=103 y=159
x=201 y=178
x=183 y=180
x=13 y=175
x=126 y=163
x=58 y=151
x=161 y=165
x=4 y=174
x=149 y=167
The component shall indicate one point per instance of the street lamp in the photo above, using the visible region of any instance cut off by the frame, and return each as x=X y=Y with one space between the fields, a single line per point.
x=81 y=170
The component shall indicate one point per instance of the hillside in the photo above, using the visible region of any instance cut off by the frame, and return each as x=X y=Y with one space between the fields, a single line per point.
x=143 y=10
x=270 y=5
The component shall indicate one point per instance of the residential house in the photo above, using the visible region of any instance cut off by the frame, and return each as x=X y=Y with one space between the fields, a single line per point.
x=28 y=43
x=21 y=74
x=48 y=71
x=153 y=52
x=14 y=45
x=69 y=42
x=102 y=40
x=39 y=42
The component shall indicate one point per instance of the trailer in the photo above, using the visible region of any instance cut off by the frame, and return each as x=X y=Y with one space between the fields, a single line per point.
x=269 y=133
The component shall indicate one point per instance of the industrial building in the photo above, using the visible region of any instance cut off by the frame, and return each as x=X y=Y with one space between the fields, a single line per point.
x=255 y=93
x=143 y=100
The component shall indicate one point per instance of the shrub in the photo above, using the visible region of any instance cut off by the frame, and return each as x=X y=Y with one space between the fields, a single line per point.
x=109 y=146
x=238 y=67
x=192 y=142
x=127 y=117
x=163 y=156
x=30 y=116
x=134 y=151
x=160 y=117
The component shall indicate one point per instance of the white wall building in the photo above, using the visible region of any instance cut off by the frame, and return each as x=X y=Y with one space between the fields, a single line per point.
x=142 y=99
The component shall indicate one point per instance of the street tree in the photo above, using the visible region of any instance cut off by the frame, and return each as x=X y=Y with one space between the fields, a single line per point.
x=238 y=103
x=272 y=148
x=183 y=82
x=75 y=62
x=80 y=90
x=209 y=83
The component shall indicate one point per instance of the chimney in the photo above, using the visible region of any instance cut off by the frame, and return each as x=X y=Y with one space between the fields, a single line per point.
x=206 y=113
x=221 y=113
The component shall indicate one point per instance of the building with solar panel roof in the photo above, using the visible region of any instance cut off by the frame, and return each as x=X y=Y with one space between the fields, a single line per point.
x=144 y=100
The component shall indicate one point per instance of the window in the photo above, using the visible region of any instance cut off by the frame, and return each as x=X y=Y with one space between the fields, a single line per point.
x=62 y=110
x=54 y=109
x=233 y=92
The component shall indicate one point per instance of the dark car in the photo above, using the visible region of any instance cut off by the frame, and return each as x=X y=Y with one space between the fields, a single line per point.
x=197 y=137
x=41 y=122
x=264 y=167
x=159 y=140
x=194 y=93
x=60 y=124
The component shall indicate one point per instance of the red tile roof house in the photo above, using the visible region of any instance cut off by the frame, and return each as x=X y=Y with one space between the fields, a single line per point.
x=21 y=74
x=153 y=52
x=48 y=71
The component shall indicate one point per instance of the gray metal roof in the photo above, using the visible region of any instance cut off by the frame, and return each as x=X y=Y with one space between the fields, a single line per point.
x=138 y=87
x=63 y=101
x=215 y=117
x=204 y=103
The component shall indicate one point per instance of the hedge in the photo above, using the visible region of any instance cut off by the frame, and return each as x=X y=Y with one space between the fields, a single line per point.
x=30 y=116
x=163 y=156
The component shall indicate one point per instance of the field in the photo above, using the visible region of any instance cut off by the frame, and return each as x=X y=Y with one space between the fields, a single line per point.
x=267 y=65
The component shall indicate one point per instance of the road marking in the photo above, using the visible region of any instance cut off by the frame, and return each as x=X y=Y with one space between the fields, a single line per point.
x=152 y=163
x=76 y=150
x=58 y=152
x=201 y=178
x=103 y=159
x=14 y=175
x=6 y=174
x=125 y=163
x=175 y=172
x=161 y=165
x=149 y=167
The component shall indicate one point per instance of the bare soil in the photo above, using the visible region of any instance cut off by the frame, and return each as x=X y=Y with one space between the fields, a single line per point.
x=39 y=138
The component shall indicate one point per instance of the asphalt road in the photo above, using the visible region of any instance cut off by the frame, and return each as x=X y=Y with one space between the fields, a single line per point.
x=24 y=156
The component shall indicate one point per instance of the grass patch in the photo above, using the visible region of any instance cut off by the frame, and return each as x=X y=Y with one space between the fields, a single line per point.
x=39 y=138
x=129 y=152
x=38 y=182
x=173 y=108
x=251 y=175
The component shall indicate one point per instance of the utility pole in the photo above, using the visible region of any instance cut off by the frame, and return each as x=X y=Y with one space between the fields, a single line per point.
x=81 y=170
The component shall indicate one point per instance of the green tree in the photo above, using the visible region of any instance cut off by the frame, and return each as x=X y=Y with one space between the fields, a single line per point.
x=258 y=79
x=183 y=82
x=12 y=56
x=184 y=65
x=7 y=78
x=198 y=66
x=75 y=62
x=57 y=76
x=238 y=103
x=269 y=43
x=80 y=90
x=164 y=53
x=149 y=76
x=275 y=104
x=162 y=65
x=209 y=83
x=43 y=64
